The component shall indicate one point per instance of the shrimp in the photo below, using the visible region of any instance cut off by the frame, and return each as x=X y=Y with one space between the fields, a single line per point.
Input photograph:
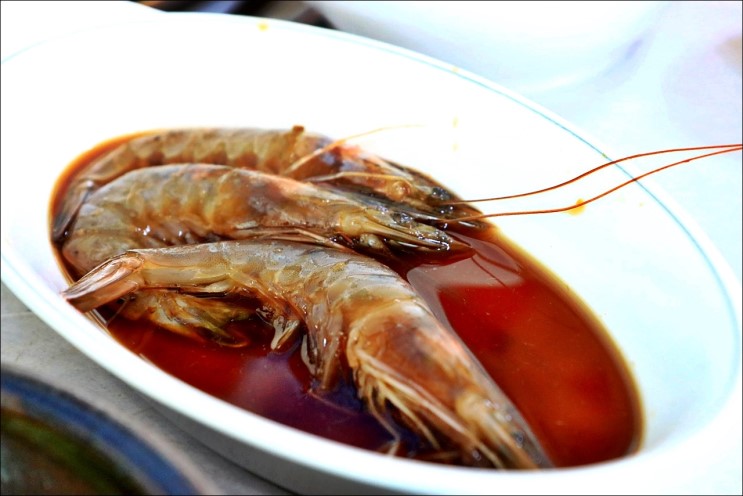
x=294 y=154
x=190 y=203
x=186 y=204
x=404 y=363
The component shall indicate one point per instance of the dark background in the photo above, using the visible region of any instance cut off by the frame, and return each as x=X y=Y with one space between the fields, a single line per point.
x=295 y=11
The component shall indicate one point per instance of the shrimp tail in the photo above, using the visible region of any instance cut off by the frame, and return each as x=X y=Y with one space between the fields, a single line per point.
x=68 y=211
x=107 y=282
x=204 y=319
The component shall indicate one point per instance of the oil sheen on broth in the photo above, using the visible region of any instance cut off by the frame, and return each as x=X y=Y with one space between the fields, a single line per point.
x=538 y=341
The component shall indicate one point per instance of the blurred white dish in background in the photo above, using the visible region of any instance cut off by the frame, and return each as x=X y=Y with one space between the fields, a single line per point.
x=527 y=46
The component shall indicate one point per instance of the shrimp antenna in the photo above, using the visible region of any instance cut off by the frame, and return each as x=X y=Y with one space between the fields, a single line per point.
x=340 y=142
x=727 y=149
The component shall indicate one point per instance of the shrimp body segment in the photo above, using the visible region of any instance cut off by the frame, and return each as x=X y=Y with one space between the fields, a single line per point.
x=357 y=311
x=291 y=153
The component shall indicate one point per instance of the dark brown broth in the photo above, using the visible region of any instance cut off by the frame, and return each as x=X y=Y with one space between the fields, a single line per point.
x=538 y=341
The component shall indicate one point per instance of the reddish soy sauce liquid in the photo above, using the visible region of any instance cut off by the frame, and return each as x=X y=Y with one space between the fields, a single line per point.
x=538 y=341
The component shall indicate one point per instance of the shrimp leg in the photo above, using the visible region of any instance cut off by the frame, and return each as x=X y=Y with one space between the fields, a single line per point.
x=402 y=360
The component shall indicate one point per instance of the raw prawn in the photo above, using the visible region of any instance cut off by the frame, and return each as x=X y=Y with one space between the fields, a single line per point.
x=403 y=361
x=294 y=154
x=191 y=203
x=186 y=204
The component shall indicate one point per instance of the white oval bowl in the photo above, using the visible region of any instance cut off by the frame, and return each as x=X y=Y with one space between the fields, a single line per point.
x=669 y=302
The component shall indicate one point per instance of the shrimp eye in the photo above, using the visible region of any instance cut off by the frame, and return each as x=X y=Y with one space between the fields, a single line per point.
x=444 y=210
x=439 y=193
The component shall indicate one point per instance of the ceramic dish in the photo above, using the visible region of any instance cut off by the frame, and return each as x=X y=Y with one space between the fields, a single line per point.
x=55 y=443
x=529 y=47
x=672 y=307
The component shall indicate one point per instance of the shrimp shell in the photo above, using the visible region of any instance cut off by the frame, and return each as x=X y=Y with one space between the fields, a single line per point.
x=190 y=203
x=403 y=361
